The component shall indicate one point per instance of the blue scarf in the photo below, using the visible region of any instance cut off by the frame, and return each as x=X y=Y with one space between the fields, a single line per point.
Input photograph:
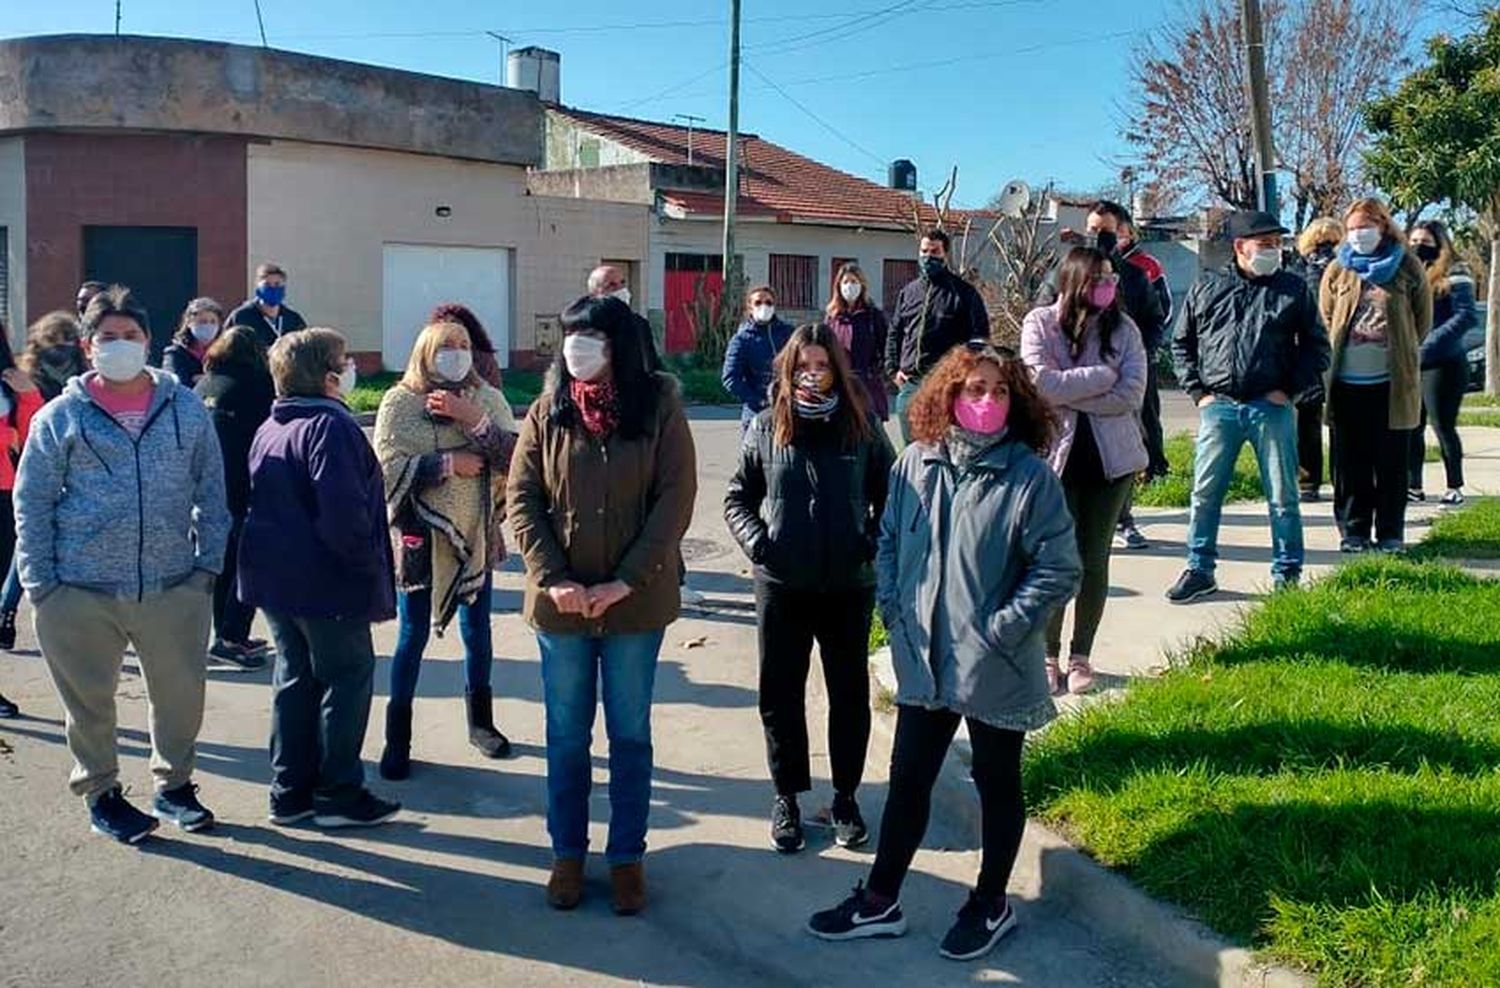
x=1376 y=269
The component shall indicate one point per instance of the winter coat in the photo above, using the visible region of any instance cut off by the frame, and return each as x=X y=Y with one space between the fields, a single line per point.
x=996 y=540
x=180 y=360
x=266 y=331
x=122 y=515
x=1242 y=338
x=1408 y=321
x=592 y=511
x=1156 y=276
x=748 y=364
x=1109 y=390
x=932 y=316
x=867 y=331
x=238 y=398
x=808 y=514
x=315 y=543
x=1453 y=315
x=15 y=426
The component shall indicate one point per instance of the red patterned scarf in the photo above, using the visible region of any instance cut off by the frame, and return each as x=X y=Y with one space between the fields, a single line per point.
x=598 y=406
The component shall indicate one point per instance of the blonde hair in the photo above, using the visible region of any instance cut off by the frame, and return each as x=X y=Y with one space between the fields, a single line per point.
x=1376 y=210
x=421 y=375
x=1323 y=230
x=836 y=303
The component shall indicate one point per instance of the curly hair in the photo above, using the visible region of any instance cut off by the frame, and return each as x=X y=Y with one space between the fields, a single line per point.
x=465 y=317
x=1031 y=421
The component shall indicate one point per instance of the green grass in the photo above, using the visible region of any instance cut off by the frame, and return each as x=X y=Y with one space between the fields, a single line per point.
x=369 y=390
x=878 y=637
x=1473 y=533
x=1483 y=417
x=1322 y=781
x=1478 y=399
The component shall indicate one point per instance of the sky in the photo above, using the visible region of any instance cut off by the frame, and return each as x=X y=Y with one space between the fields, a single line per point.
x=1002 y=89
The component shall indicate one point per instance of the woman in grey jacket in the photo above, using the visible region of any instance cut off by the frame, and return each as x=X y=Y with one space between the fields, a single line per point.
x=976 y=551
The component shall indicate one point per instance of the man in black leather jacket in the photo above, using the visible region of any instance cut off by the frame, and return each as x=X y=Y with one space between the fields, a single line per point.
x=1248 y=343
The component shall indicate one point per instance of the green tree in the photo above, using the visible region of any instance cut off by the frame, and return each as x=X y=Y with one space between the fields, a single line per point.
x=1436 y=139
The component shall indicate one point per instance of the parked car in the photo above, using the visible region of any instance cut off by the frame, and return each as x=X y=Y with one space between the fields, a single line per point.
x=1474 y=346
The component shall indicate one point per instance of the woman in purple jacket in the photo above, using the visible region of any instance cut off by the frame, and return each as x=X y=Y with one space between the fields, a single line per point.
x=316 y=557
x=860 y=326
x=1090 y=363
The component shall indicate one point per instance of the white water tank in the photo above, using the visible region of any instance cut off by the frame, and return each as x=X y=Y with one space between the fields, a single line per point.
x=537 y=70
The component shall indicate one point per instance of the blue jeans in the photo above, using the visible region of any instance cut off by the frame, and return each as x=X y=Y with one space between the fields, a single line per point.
x=415 y=612
x=1224 y=427
x=10 y=597
x=907 y=392
x=571 y=667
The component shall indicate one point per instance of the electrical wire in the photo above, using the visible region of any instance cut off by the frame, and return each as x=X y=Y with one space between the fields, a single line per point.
x=814 y=117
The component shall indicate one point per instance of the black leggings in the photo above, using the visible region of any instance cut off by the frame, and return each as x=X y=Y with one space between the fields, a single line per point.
x=1443 y=390
x=1310 y=445
x=922 y=740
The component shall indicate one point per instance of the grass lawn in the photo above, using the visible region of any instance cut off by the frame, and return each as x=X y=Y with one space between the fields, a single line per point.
x=1473 y=533
x=1323 y=781
x=1481 y=410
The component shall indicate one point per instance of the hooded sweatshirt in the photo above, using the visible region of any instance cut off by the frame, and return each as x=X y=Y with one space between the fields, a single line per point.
x=123 y=515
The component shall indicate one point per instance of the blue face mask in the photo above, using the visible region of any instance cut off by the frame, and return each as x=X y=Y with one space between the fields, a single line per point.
x=932 y=266
x=270 y=294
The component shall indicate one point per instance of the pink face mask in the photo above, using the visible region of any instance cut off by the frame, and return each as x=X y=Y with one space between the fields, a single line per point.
x=1102 y=295
x=985 y=416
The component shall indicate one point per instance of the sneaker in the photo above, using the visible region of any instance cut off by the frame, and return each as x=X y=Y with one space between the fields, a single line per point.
x=1129 y=537
x=980 y=925
x=786 y=826
x=1192 y=584
x=856 y=918
x=1416 y=495
x=113 y=816
x=1285 y=581
x=257 y=645
x=1311 y=495
x=181 y=806
x=1391 y=547
x=8 y=630
x=1452 y=499
x=288 y=809
x=1054 y=678
x=8 y=709
x=848 y=825
x=237 y=655
x=366 y=810
x=1080 y=675
x=1354 y=544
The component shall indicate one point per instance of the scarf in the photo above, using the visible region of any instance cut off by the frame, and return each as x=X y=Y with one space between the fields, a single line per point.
x=1376 y=269
x=966 y=446
x=598 y=406
x=809 y=404
x=459 y=511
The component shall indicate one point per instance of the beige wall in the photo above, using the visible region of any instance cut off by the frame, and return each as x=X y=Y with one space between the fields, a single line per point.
x=325 y=213
x=13 y=218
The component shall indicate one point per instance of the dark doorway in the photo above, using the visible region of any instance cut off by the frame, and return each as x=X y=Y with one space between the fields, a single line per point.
x=159 y=264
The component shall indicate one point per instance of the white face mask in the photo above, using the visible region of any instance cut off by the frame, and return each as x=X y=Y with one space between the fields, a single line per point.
x=1265 y=261
x=622 y=293
x=119 y=360
x=1365 y=240
x=763 y=313
x=453 y=364
x=205 y=332
x=850 y=290
x=348 y=377
x=585 y=356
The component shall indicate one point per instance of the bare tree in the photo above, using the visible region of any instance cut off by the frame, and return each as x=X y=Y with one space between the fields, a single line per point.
x=1026 y=249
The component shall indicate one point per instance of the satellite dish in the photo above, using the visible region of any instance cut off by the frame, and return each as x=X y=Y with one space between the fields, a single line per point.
x=1014 y=199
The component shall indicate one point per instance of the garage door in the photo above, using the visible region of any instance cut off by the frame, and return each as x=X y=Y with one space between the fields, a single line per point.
x=419 y=276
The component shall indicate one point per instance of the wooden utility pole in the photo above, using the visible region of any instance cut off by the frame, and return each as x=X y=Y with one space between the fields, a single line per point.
x=730 y=266
x=1254 y=32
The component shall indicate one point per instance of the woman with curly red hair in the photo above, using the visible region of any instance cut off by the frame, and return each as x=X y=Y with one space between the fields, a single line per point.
x=976 y=551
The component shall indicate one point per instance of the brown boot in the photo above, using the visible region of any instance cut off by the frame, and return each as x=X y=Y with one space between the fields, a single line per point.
x=565 y=887
x=628 y=882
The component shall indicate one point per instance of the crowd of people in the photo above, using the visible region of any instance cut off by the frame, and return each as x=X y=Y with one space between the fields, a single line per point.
x=160 y=508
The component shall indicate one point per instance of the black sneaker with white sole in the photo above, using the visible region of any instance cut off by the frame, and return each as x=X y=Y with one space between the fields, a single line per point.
x=239 y=656
x=1191 y=585
x=365 y=810
x=288 y=809
x=181 y=807
x=980 y=925
x=786 y=826
x=8 y=708
x=857 y=918
x=848 y=825
x=113 y=816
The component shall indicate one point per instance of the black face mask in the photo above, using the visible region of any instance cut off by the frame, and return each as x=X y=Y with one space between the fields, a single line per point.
x=1103 y=241
x=1426 y=253
x=62 y=359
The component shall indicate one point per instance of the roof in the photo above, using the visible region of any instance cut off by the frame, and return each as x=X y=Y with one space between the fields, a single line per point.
x=775 y=182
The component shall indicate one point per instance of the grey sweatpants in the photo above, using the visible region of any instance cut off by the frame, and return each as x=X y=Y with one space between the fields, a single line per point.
x=84 y=635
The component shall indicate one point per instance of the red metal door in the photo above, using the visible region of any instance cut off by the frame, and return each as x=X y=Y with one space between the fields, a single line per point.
x=683 y=305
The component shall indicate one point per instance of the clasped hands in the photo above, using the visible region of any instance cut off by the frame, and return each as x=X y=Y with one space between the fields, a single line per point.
x=571 y=597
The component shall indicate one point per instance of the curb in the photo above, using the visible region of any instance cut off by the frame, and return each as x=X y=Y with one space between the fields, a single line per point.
x=1103 y=899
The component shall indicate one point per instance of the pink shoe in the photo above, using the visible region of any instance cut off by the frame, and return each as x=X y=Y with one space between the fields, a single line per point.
x=1080 y=675
x=1054 y=678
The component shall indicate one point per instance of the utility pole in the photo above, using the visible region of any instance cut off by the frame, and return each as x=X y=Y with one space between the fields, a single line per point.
x=689 y=119
x=1260 y=105
x=731 y=164
x=504 y=42
x=117 y=17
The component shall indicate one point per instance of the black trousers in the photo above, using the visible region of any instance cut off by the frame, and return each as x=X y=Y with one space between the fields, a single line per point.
x=1156 y=444
x=7 y=527
x=1310 y=446
x=1369 y=463
x=1443 y=390
x=232 y=617
x=922 y=740
x=790 y=621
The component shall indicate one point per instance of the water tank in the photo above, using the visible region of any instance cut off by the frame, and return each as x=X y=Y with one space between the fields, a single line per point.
x=903 y=175
x=537 y=70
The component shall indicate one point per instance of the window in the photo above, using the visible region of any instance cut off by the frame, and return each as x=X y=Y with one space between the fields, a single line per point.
x=695 y=262
x=895 y=275
x=794 y=279
x=588 y=152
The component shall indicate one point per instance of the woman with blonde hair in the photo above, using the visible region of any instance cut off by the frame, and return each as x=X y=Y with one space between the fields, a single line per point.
x=860 y=327
x=1316 y=246
x=1445 y=367
x=1377 y=305
x=444 y=439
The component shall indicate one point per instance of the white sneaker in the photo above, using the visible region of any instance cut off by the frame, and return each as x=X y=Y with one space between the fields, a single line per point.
x=1454 y=497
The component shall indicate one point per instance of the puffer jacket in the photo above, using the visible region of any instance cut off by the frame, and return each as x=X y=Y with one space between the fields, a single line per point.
x=748 y=361
x=122 y=515
x=1242 y=338
x=808 y=514
x=996 y=539
x=593 y=511
x=932 y=316
x=1453 y=315
x=1109 y=390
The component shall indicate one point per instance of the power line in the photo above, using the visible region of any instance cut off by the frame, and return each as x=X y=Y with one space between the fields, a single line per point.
x=817 y=119
x=869 y=19
x=674 y=88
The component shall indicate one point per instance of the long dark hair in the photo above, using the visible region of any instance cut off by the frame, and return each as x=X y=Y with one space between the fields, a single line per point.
x=636 y=388
x=237 y=346
x=1438 y=270
x=852 y=416
x=1075 y=283
x=457 y=312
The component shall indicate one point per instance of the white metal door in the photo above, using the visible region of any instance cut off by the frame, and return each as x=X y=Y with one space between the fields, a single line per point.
x=420 y=276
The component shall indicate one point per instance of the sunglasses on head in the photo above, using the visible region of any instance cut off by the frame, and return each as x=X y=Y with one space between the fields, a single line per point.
x=984 y=348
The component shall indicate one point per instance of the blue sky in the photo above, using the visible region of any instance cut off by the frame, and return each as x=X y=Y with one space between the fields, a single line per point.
x=1000 y=88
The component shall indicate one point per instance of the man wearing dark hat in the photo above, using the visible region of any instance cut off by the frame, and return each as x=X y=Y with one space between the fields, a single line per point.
x=1248 y=342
